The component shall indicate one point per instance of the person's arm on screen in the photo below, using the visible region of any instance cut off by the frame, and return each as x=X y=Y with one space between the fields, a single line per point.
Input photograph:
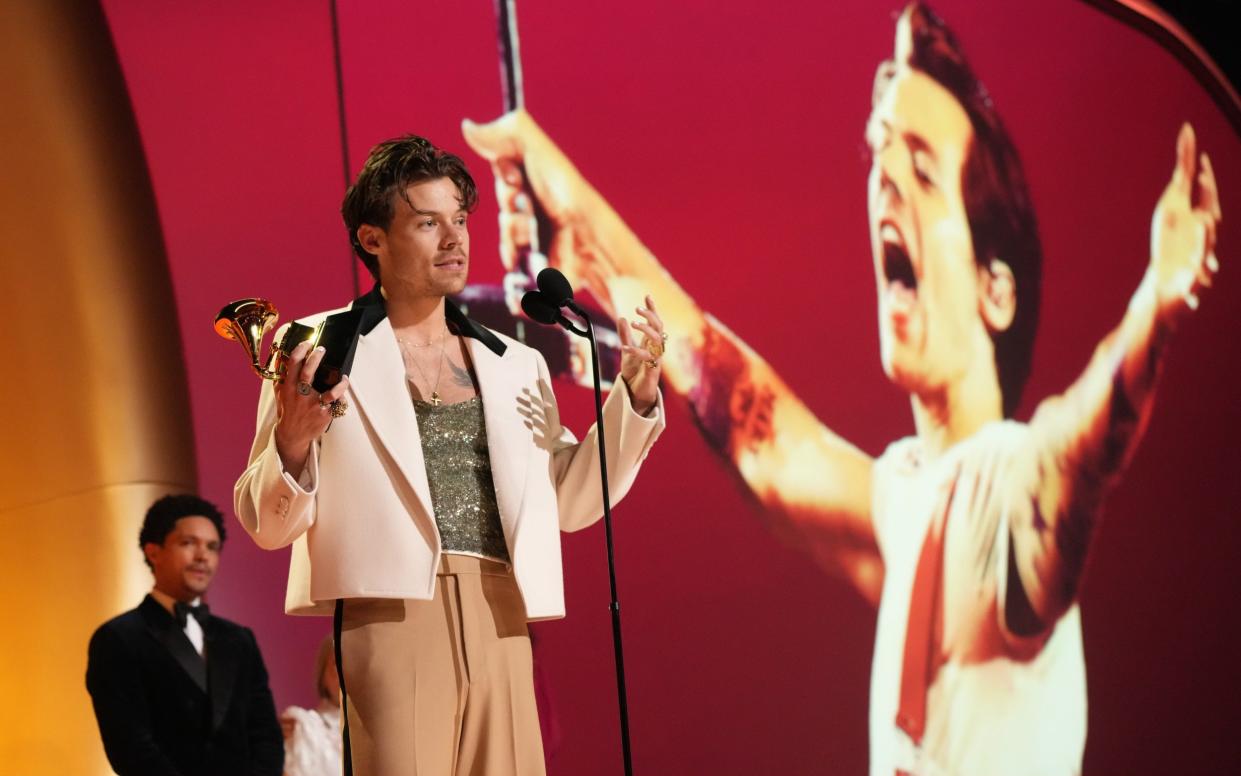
x=1084 y=437
x=814 y=485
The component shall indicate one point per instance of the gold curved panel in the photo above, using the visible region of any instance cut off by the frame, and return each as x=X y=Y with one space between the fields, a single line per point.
x=96 y=413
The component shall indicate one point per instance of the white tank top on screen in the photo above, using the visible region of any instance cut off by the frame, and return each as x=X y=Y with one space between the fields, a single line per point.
x=997 y=705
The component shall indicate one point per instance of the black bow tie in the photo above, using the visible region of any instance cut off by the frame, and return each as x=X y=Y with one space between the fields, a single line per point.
x=182 y=612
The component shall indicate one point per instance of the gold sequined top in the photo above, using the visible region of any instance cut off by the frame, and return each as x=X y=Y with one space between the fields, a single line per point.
x=454 y=444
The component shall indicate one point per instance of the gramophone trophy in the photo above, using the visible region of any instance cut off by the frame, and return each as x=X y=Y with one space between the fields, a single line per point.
x=248 y=320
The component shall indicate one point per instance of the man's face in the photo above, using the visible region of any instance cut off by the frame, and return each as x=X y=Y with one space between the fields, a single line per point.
x=427 y=245
x=930 y=329
x=185 y=563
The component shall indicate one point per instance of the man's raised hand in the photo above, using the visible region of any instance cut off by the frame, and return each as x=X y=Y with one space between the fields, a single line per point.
x=1184 y=231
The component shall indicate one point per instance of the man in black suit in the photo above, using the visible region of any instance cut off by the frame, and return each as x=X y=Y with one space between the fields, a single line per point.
x=178 y=691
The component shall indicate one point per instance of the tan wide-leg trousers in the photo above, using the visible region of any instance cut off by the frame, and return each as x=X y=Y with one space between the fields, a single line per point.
x=443 y=687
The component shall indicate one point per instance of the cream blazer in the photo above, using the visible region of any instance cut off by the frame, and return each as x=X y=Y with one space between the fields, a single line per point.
x=360 y=517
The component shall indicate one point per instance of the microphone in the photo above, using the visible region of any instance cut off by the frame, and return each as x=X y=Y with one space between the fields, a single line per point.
x=539 y=309
x=535 y=305
x=556 y=289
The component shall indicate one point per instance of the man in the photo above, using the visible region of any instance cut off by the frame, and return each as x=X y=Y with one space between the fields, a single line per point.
x=971 y=536
x=427 y=516
x=178 y=691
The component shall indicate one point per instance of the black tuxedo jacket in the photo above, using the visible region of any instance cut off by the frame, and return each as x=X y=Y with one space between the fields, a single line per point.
x=163 y=710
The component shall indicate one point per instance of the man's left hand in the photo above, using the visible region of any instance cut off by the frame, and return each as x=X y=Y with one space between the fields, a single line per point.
x=641 y=361
x=1183 y=231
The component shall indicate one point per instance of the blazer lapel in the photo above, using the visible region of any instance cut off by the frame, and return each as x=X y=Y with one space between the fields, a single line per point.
x=222 y=659
x=163 y=627
x=377 y=382
x=508 y=435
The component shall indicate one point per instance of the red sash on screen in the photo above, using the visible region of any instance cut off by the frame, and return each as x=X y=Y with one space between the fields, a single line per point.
x=919 y=662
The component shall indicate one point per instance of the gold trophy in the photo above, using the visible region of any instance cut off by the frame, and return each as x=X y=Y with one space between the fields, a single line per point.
x=247 y=321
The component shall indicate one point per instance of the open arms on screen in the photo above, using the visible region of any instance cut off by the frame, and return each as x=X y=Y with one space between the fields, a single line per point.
x=812 y=485
x=1085 y=436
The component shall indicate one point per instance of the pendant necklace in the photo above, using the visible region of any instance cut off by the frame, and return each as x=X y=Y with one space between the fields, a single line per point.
x=435 y=399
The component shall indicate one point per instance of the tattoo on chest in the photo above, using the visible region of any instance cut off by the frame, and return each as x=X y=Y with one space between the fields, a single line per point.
x=462 y=376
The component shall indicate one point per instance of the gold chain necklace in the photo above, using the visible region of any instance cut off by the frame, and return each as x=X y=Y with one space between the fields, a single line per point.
x=435 y=399
x=423 y=345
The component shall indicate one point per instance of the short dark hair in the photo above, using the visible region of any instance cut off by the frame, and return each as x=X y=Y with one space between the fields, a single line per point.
x=163 y=515
x=993 y=184
x=392 y=167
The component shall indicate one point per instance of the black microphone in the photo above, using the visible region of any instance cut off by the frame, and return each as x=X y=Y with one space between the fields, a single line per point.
x=555 y=287
x=535 y=305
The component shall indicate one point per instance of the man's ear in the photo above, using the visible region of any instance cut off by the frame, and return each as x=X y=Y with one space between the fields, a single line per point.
x=150 y=550
x=997 y=297
x=371 y=238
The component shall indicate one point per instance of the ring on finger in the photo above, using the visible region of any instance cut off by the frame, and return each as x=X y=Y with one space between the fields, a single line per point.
x=654 y=347
x=303 y=388
x=651 y=363
x=338 y=408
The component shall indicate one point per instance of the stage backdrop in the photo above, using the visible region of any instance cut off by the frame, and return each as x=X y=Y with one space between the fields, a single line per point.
x=730 y=138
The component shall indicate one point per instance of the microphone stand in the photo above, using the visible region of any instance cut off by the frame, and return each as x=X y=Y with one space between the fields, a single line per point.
x=514 y=98
x=614 y=606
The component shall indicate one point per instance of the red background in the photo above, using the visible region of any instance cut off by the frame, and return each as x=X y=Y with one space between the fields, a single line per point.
x=729 y=135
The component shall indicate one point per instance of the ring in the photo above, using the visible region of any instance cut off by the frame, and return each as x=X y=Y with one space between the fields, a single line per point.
x=338 y=408
x=303 y=388
x=650 y=363
x=656 y=348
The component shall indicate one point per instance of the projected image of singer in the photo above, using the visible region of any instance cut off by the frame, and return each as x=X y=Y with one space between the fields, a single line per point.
x=428 y=516
x=971 y=535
